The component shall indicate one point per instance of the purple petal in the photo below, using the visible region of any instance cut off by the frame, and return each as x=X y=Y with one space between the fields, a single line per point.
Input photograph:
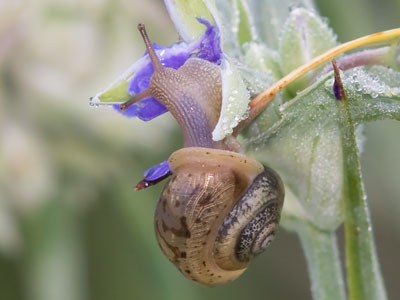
x=336 y=90
x=172 y=57
x=146 y=110
x=154 y=175
x=157 y=172
x=209 y=48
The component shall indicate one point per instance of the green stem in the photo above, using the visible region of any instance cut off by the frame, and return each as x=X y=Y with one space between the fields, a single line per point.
x=323 y=261
x=364 y=278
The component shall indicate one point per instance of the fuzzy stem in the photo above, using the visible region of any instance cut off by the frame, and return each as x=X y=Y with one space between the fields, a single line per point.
x=379 y=56
x=323 y=261
x=364 y=278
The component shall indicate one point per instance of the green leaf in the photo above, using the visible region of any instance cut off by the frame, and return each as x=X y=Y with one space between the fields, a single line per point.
x=260 y=57
x=227 y=17
x=246 y=27
x=305 y=148
x=255 y=80
x=184 y=13
x=305 y=35
x=267 y=18
x=305 y=145
x=375 y=93
x=235 y=100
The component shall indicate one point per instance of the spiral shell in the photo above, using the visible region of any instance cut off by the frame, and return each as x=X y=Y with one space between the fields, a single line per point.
x=218 y=210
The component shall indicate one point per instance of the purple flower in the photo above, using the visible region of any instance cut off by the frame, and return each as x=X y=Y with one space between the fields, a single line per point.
x=207 y=47
x=338 y=88
x=154 y=175
x=157 y=171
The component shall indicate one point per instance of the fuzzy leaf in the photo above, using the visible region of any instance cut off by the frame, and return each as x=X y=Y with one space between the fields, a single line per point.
x=266 y=18
x=184 y=13
x=305 y=148
x=235 y=99
x=305 y=145
x=375 y=93
x=258 y=56
x=226 y=15
x=305 y=36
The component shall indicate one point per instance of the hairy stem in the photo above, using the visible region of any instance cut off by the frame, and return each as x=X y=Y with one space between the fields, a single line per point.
x=379 y=56
x=323 y=261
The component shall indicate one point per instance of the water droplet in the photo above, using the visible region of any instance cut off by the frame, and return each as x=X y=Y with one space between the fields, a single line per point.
x=387 y=93
x=329 y=83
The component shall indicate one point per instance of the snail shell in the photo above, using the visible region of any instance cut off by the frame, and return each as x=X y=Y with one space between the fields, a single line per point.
x=218 y=210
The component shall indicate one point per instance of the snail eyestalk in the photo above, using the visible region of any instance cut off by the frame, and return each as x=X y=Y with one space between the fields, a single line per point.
x=142 y=95
x=152 y=54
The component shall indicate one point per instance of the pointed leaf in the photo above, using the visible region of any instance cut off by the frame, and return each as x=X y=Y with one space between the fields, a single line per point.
x=226 y=15
x=258 y=56
x=305 y=35
x=184 y=13
x=375 y=93
x=305 y=148
x=268 y=17
x=235 y=100
x=305 y=145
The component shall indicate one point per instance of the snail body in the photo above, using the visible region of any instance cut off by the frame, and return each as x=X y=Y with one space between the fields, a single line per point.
x=219 y=207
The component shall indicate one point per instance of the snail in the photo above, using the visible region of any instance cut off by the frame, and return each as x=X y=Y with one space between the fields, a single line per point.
x=219 y=208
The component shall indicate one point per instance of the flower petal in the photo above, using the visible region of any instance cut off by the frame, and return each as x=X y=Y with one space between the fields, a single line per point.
x=154 y=175
x=209 y=48
x=172 y=57
x=146 y=110
x=157 y=172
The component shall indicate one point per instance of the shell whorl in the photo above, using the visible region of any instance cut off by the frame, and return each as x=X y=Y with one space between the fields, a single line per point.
x=200 y=219
x=251 y=224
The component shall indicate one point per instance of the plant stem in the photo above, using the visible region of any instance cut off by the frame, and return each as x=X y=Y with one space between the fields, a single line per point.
x=323 y=261
x=364 y=279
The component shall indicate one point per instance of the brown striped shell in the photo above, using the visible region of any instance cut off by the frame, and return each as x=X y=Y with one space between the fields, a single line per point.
x=218 y=209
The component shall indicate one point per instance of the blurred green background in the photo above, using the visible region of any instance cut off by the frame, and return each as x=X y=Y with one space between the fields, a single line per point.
x=71 y=226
